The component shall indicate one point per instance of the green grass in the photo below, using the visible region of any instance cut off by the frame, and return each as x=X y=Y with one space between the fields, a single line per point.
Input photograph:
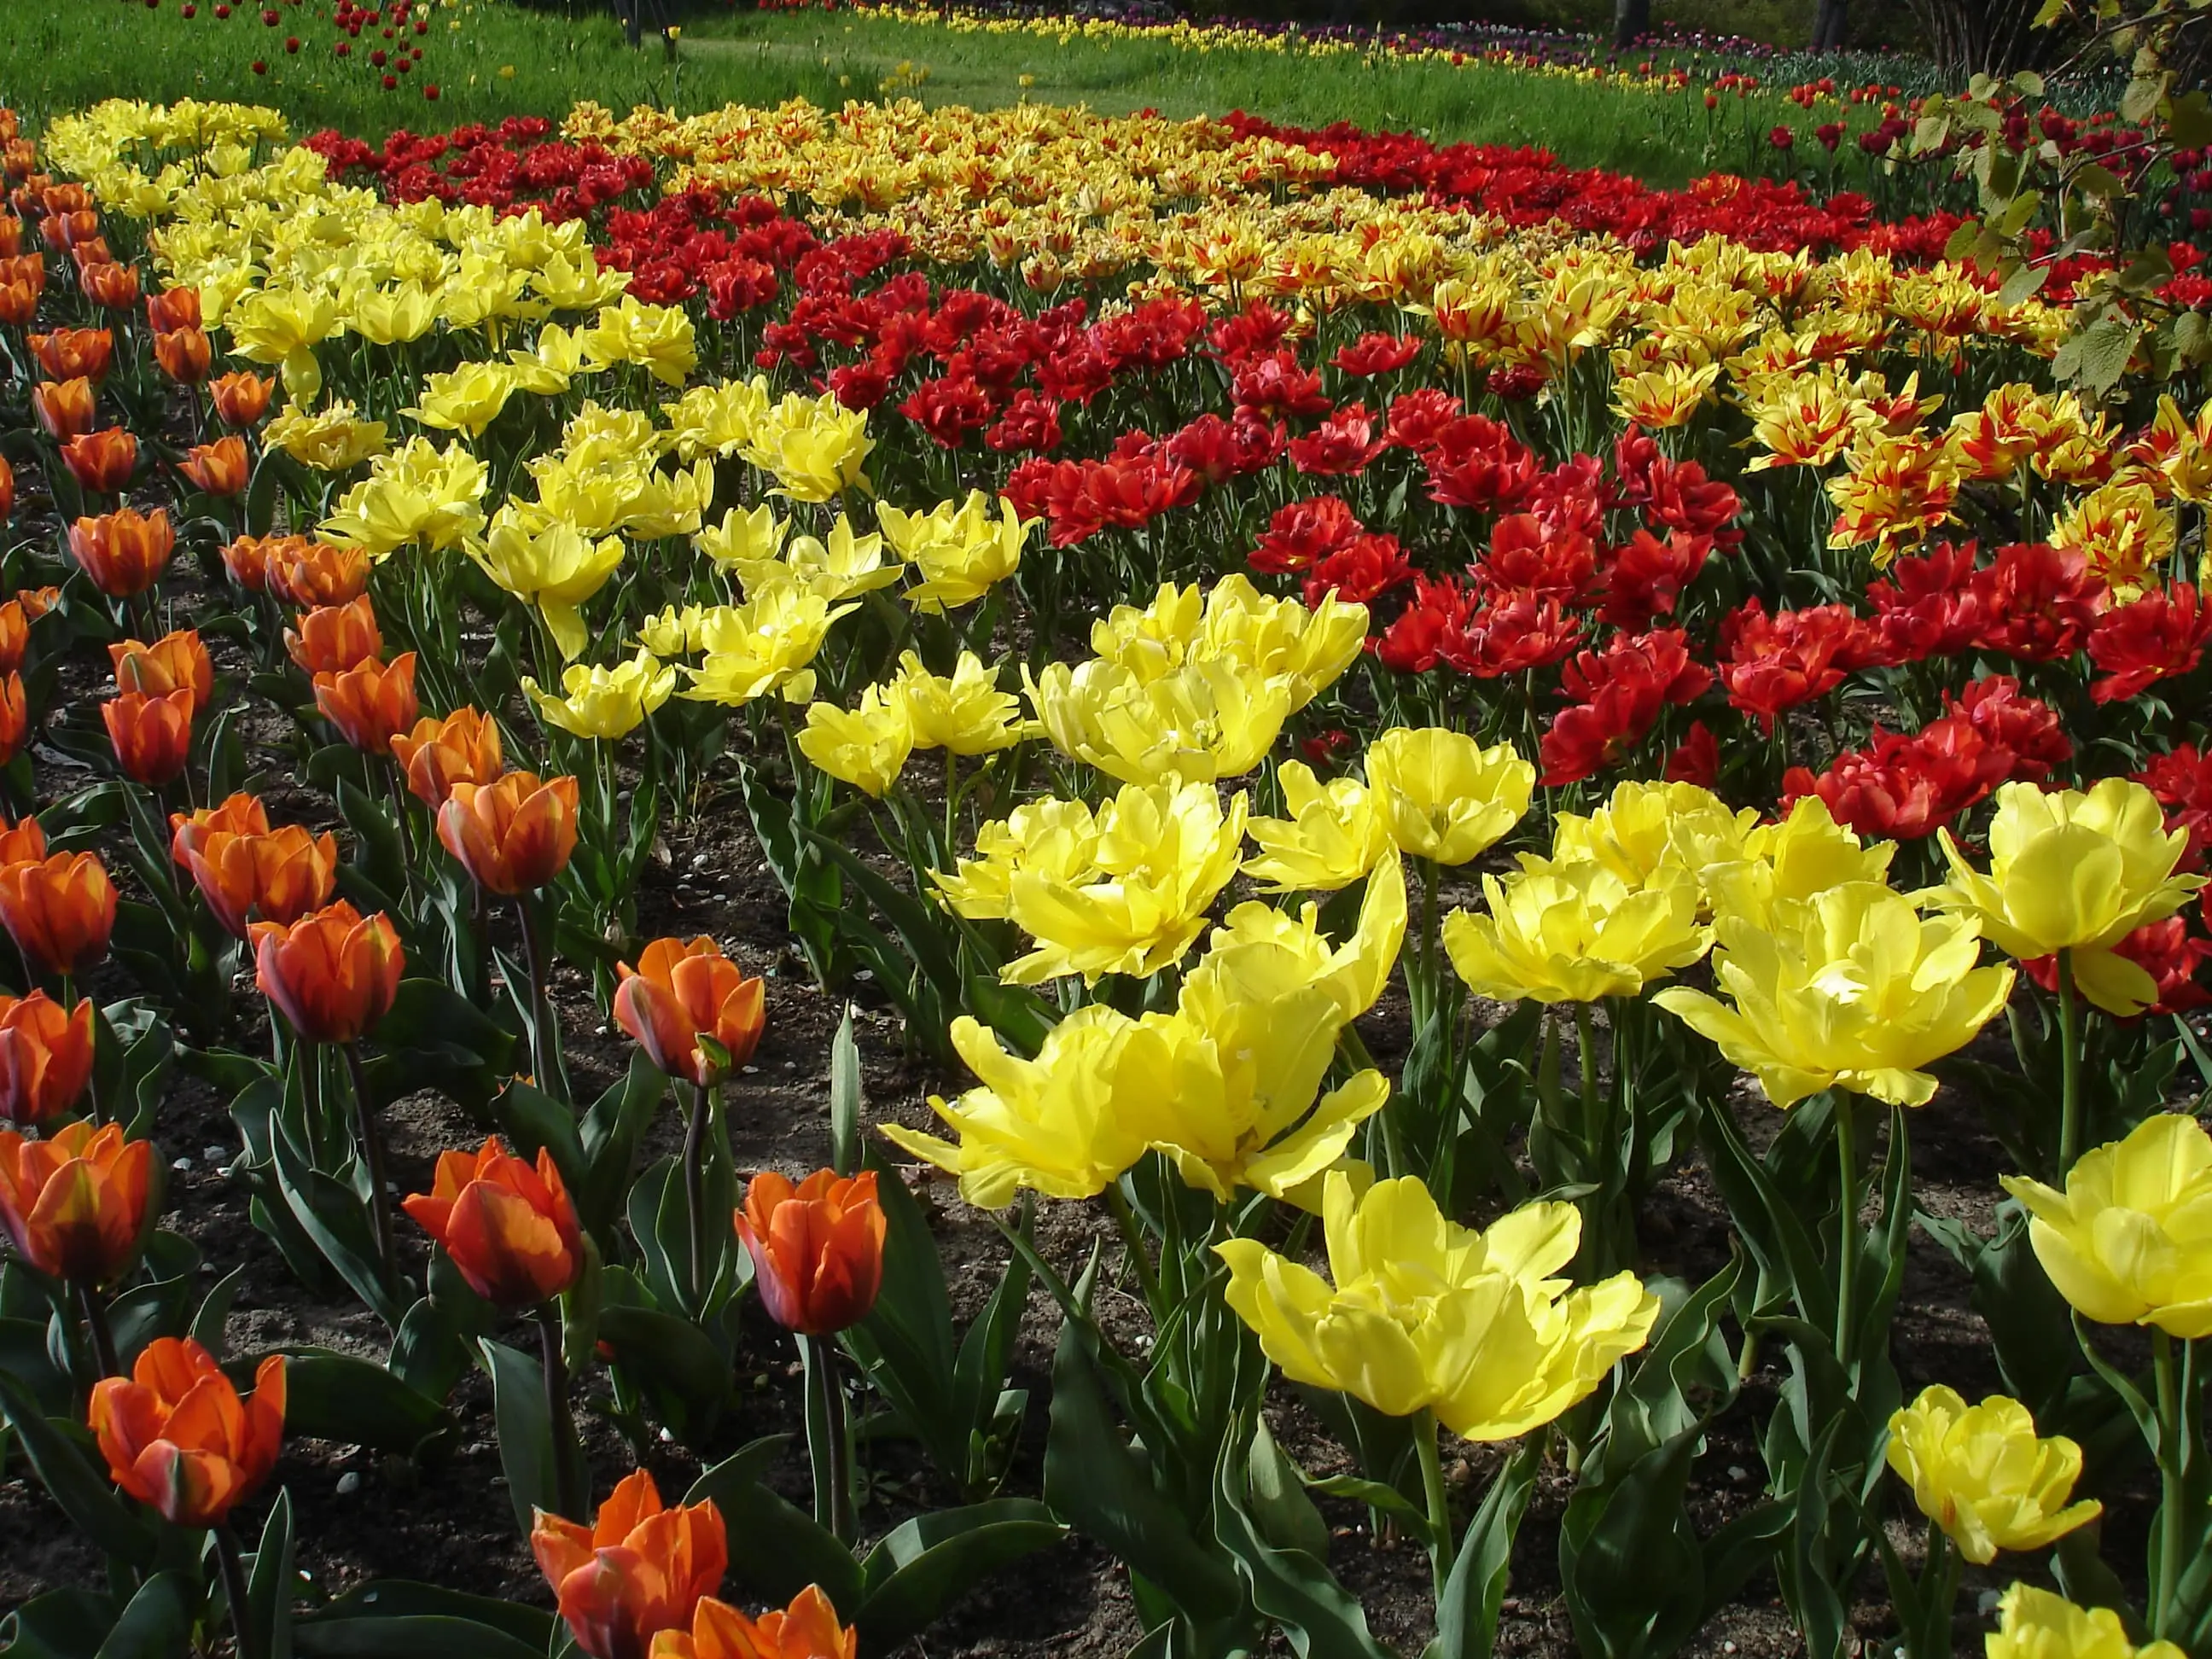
x=490 y=59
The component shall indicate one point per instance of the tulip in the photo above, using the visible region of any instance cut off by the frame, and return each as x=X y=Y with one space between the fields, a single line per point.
x=278 y=876
x=246 y=559
x=866 y=748
x=123 y=552
x=817 y=1247
x=640 y=1569
x=240 y=399
x=59 y=910
x=962 y=553
x=808 y=1629
x=185 y=354
x=178 y=660
x=2037 y=1624
x=172 y=309
x=75 y=1204
x=45 y=1057
x=1334 y=836
x=1574 y=932
x=509 y=1229
x=679 y=994
x=221 y=469
x=333 y=973
x=966 y=714
x=1980 y=1473
x=73 y=354
x=152 y=735
x=418 y=493
x=7 y=490
x=240 y=814
x=371 y=703
x=513 y=835
x=101 y=462
x=178 y=1436
x=14 y=716
x=604 y=703
x=24 y=840
x=1205 y=720
x=1443 y=796
x=334 y=638
x=462 y=747
x=109 y=284
x=316 y=575
x=66 y=409
x=554 y=566
x=19 y=301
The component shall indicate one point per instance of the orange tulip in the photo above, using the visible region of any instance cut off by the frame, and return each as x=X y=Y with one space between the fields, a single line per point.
x=20 y=267
x=246 y=558
x=64 y=198
x=23 y=840
x=808 y=1629
x=240 y=814
x=278 y=876
x=179 y=658
x=152 y=735
x=123 y=552
x=679 y=993
x=172 y=309
x=75 y=1204
x=14 y=635
x=221 y=469
x=7 y=490
x=311 y=575
x=90 y=251
x=19 y=302
x=109 y=284
x=177 y=1436
x=74 y=354
x=817 y=1247
x=37 y=601
x=333 y=973
x=510 y=1229
x=70 y=227
x=332 y=638
x=15 y=715
x=639 y=1570
x=185 y=355
x=514 y=834
x=59 y=910
x=45 y=1057
x=18 y=157
x=370 y=703
x=462 y=747
x=66 y=409
x=241 y=398
x=103 y=461
x=11 y=232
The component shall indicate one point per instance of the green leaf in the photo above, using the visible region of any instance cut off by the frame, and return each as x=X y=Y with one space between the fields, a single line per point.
x=777 y=1550
x=156 y=1624
x=407 y=1637
x=1278 y=1501
x=388 y=1599
x=331 y=1213
x=845 y=1098
x=741 y=1468
x=70 y=1476
x=1467 y=1612
x=1297 y=1591
x=329 y=1396
x=610 y=1135
x=270 y=1582
x=1376 y=1495
x=527 y=1453
x=63 y=1624
x=925 y=1565
x=683 y=1372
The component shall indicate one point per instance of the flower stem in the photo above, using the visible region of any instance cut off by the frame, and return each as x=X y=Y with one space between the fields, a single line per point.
x=372 y=1155
x=1133 y=1245
x=2070 y=1064
x=94 y=1313
x=233 y=1569
x=544 y=1051
x=829 y=1442
x=1426 y=1435
x=2167 y=1364
x=694 y=1190
x=567 y=1453
x=1847 y=1227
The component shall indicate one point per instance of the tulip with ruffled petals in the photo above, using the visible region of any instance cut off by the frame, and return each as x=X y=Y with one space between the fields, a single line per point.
x=462 y=747
x=75 y=1204
x=178 y=1436
x=123 y=552
x=508 y=1228
x=640 y=1569
x=59 y=910
x=1981 y=1473
x=333 y=973
x=514 y=834
x=680 y=992
x=1445 y=797
x=817 y=1247
x=45 y=1057
x=2036 y=1624
x=370 y=703
x=152 y=735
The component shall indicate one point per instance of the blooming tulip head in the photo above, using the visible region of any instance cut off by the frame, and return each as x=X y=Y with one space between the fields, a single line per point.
x=2077 y=872
x=462 y=747
x=177 y=658
x=2036 y=1624
x=965 y=712
x=75 y=1204
x=807 y=1629
x=177 y=1436
x=817 y=1247
x=240 y=399
x=240 y=814
x=101 y=462
x=334 y=972
x=1445 y=797
x=66 y=408
x=867 y=747
x=680 y=992
x=605 y=703
x=333 y=638
x=45 y=1057
x=508 y=1228
x=15 y=715
x=1981 y=1474
x=152 y=735
x=278 y=876
x=124 y=552
x=371 y=703
x=59 y=910
x=514 y=834
x=2129 y=1241
x=314 y=574
x=640 y=1568
x=223 y=468
x=1333 y=837
x=1424 y=1313
x=185 y=354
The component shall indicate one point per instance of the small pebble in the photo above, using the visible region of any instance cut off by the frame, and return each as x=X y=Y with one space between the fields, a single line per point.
x=1986 y=1602
x=1737 y=1471
x=754 y=1071
x=182 y=1166
x=865 y=974
x=349 y=1483
x=667 y=1436
x=1727 y=1647
x=213 y=1154
x=790 y=1065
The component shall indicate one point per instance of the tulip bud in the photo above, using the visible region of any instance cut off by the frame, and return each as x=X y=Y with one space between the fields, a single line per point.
x=222 y=469
x=332 y=973
x=514 y=834
x=65 y=409
x=333 y=638
x=370 y=703
x=74 y=1204
x=185 y=354
x=277 y=876
x=59 y=910
x=462 y=747
x=679 y=993
x=179 y=658
x=152 y=735
x=240 y=814
x=640 y=1568
x=509 y=1229
x=818 y=1248
x=74 y=354
x=45 y=1057
x=177 y=1436
x=241 y=398
x=102 y=462
x=123 y=552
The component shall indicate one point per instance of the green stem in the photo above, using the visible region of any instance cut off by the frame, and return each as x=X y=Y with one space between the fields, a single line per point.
x=372 y=1156
x=567 y=1454
x=94 y=1313
x=544 y=1051
x=233 y=1569
x=2174 y=1492
x=1426 y=1435
x=1847 y=1227
x=1592 y=1108
x=2069 y=1062
x=828 y=1439
x=1133 y=1245
x=694 y=1191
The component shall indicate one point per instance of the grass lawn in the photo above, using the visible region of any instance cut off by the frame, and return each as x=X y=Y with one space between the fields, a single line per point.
x=487 y=59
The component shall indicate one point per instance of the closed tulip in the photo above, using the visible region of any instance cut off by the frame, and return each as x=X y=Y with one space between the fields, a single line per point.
x=462 y=747
x=178 y=660
x=808 y=1629
x=817 y=1247
x=178 y=1436
x=333 y=973
x=333 y=638
x=75 y=1204
x=45 y=1057
x=7 y=490
x=1854 y=988
x=240 y=814
x=514 y=834
x=315 y=575
x=223 y=468
x=1443 y=796
x=101 y=462
x=152 y=735
x=1334 y=836
x=64 y=409
x=242 y=398
x=59 y=910
x=680 y=992
x=14 y=635
x=866 y=748
x=640 y=1569
x=1427 y=1313
x=172 y=309
x=508 y=1228
x=2075 y=872
x=24 y=840
x=604 y=703
x=2129 y=1241
x=19 y=300
x=185 y=354
x=370 y=703
x=1574 y=932
x=2037 y=1624
x=74 y=354
x=278 y=876
x=123 y=552
x=1981 y=1473
x=14 y=716
x=109 y=284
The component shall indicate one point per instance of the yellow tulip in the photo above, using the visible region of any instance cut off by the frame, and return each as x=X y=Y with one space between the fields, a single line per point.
x=333 y=440
x=2075 y=872
x=468 y=400
x=1575 y=933
x=1056 y=839
x=657 y=504
x=1273 y=639
x=551 y=565
x=1163 y=855
x=605 y=703
x=716 y=420
x=391 y=316
x=866 y=748
x=1354 y=973
x=659 y=337
x=962 y=552
x=1981 y=1474
x=1444 y=796
x=1649 y=831
x=1852 y=988
x=2035 y=1624
x=838 y=569
x=815 y=447
x=965 y=712
x=761 y=646
x=1428 y=1314
x=417 y=493
x=669 y=632
x=744 y=539
x=1800 y=858
x=283 y=327
x=1205 y=720
x=2129 y=1241
x=1333 y=837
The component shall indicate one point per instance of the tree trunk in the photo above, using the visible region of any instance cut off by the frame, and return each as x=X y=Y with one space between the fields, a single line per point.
x=1828 y=25
x=630 y=14
x=1631 y=18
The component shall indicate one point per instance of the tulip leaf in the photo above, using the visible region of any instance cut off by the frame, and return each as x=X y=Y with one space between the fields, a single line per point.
x=391 y=1600
x=1377 y=1495
x=684 y=1374
x=23 y=1357
x=534 y=1120
x=63 y=1624
x=213 y=1315
x=526 y=1452
x=1467 y=1612
x=332 y=1213
x=156 y=1624
x=741 y=1468
x=1286 y=1517
x=926 y=1563
x=845 y=1098
x=435 y=1038
x=409 y=1636
x=270 y=1582
x=609 y=1137
x=777 y=1549
x=1290 y=1586
x=65 y=1468
x=329 y=1396
x=1630 y=1560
